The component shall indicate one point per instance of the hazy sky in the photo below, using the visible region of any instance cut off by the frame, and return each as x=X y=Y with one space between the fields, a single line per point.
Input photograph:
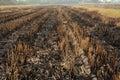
x=72 y=0
x=61 y=1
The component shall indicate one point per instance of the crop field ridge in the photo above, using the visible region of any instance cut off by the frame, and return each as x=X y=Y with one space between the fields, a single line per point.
x=58 y=43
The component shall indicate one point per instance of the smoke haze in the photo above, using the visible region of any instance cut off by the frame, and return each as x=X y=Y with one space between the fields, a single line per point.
x=60 y=1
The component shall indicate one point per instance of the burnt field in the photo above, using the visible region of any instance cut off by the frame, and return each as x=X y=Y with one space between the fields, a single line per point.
x=58 y=43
